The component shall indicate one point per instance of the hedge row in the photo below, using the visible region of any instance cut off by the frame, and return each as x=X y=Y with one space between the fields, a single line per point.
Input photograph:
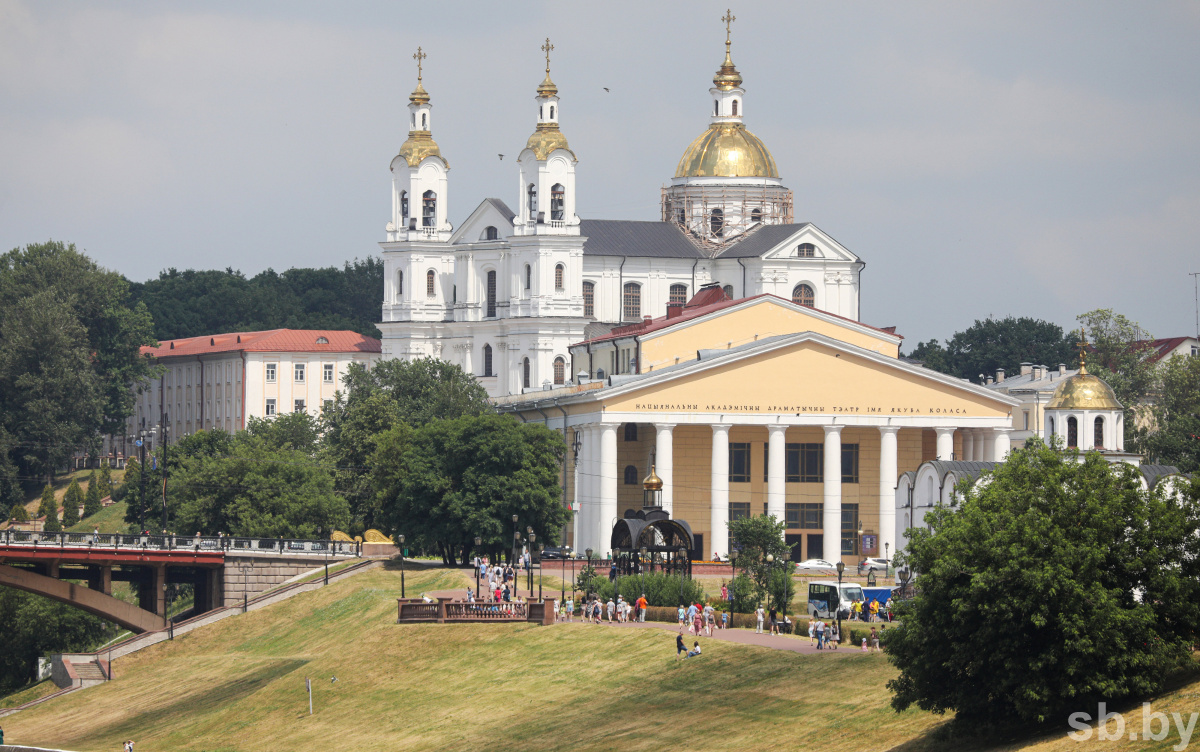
x=854 y=635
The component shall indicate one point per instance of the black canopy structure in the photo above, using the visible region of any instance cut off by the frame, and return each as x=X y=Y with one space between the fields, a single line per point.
x=651 y=529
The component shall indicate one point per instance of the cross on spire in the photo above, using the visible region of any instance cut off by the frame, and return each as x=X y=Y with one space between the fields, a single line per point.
x=728 y=18
x=419 y=56
x=1082 y=350
x=547 y=48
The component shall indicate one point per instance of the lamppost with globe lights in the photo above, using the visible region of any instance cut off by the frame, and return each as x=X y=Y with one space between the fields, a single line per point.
x=642 y=566
x=478 y=543
x=562 y=591
x=529 y=567
x=589 y=561
x=841 y=567
x=516 y=537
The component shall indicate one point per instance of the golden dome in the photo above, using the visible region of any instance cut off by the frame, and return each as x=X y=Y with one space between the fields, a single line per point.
x=546 y=139
x=420 y=144
x=727 y=76
x=419 y=95
x=546 y=88
x=652 y=481
x=727 y=150
x=1083 y=391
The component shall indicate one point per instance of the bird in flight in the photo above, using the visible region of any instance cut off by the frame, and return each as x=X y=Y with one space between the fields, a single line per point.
x=501 y=157
x=606 y=89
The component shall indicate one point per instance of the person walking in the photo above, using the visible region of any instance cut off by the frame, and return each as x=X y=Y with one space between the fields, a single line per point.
x=835 y=635
x=820 y=635
x=759 y=614
x=774 y=624
x=709 y=618
x=690 y=617
x=724 y=620
x=812 y=630
x=641 y=604
x=571 y=608
x=612 y=606
x=874 y=640
x=874 y=609
x=682 y=615
x=724 y=591
x=698 y=619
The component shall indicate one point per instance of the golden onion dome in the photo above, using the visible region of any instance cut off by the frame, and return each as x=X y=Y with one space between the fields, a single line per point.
x=546 y=139
x=546 y=88
x=727 y=150
x=419 y=95
x=652 y=481
x=727 y=76
x=1083 y=391
x=420 y=144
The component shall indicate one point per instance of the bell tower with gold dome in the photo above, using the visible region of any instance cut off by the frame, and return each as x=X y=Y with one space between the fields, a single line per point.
x=726 y=183
x=419 y=175
x=547 y=164
x=1085 y=413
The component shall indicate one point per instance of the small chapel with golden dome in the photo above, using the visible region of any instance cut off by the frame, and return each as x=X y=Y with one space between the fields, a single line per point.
x=507 y=291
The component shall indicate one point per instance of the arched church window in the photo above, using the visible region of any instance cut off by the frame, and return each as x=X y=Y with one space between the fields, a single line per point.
x=541 y=113
x=728 y=290
x=429 y=209
x=589 y=298
x=631 y=431
x=631 y=302
x=631 y=475
x=551 y=113
x=716 y=222
x=756 y=215
x=404 y=204
x=1072 y=432
x=491 y=233
x=491 y=295
x=1050 y=421
x=560 y=371
x=1099 y=433
x=803 y=295
x=528 y=277
x=399 y=285
x=430 y=283
x=735 y=108
x=681 y=217
x=559 y=273
x=525 y=372
x=557 y=200
x=678 y=294
x=716 y=108
x=532 y=201
x=487 y=360
x=424 y=122
x=806 y=250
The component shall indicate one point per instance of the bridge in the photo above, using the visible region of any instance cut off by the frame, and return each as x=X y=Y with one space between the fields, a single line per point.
x=222 y=570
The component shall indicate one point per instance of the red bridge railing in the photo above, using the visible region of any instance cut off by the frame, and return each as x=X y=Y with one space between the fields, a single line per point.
x=450 y=611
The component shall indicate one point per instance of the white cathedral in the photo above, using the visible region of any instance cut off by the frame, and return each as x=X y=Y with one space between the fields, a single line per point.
x=505 y=294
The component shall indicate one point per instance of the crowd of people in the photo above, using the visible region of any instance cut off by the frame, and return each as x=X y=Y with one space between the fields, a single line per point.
x=869 y=611
x=595 y=610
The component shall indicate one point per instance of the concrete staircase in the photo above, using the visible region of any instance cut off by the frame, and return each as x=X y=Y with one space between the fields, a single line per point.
x=89 y=673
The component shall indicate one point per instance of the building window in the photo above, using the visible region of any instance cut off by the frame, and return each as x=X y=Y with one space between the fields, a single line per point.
x=791 y=515
x=532 y=197
x=1051 y=421
x=1072 y=432
x=849 y=463
x=806 y=250
x=589 y=298
x=631 y=432
x=327 y=405
x=270 y=373
x=491 y=295
x=735 y=108
x=298 y=370
x=487 y=360
x=678 y=294
x=269 y=411
x=557 y=201
x=631 y=475
x=716 y=222
x=429 y=209
x=528 y=277
x=739 y=510
x=812 y=516
x=849 y=530
x=739 y=462
x=327 y=375
x=809 y=463
x=1026 y=414
x=560 y=371
x=399 y=285
x=803 y=295
x=525 y=373
x=1099 y=433
x=716 y=108
x=560 y=272
x=631 y=304
x=298 y=406
x=756 y=215
x=551 y=112
x=430 y=284
x=404 y=204
x=728 y=290
x=491 y=233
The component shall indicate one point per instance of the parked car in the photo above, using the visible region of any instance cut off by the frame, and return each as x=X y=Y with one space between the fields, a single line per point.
x=554 y=552
x=816 y=565
x=879 y=565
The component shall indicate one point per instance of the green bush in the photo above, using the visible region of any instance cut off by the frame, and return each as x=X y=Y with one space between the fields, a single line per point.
x=19 y=513
x=660 y=589
x=106 y=487
x=91 y=502
x=743 y=592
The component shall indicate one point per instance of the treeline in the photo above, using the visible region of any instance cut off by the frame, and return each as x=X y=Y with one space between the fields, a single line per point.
x=194 y=303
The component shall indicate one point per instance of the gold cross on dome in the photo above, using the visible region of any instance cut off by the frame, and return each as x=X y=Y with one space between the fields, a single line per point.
x=728 y=18
x=547 y=48
x=419 y=56
x=1082 y=347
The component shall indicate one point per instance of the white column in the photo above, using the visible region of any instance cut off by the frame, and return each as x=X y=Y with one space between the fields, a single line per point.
x=887 y=490
x=587 y=481
x=831 y=540
x=977 y=452
x=1002 y=445
x=945 y=443
x=664 y=462
x=719 y=498
x=776 y=459
x=989 y=446
x=578 y=502
x=608 y=488
x=968 y=443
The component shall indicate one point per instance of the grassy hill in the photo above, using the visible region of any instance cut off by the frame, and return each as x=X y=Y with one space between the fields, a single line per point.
x=239 y=685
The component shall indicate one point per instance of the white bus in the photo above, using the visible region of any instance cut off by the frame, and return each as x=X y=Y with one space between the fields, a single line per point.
x=826 y=598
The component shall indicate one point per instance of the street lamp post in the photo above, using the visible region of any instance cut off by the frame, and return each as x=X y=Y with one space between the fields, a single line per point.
x=589 y=561
x=887 y=558
x=562 y=591
x=733 y=565
x=841 y=567
x=529 y=566
x=516 y=537
x=642 y=566
x=401 y=539
x=539 y=568
x=478 y=543
x=682 y=566
x=771 y=570
x=166 y=439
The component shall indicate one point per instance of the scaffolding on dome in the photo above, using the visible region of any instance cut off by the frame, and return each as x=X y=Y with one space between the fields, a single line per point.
x=691 y=208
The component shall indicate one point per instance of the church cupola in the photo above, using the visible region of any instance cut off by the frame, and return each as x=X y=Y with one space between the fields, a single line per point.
x=1084 y=412
x=547 y=167
x=419 y=180
x=727 y=92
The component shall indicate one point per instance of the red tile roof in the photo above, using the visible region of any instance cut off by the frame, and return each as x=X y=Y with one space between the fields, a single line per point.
x=1161 y=347
x=274 y=340
x=703 y=303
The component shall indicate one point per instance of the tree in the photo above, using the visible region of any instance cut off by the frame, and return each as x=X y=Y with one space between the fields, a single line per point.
x=141 y=496
x=34 y=627
x=91 y=502
x=19 y=513
x=296 y=430
x=1174 y=434
x=446 y=482
x=1056 y=582
x=1128 y=368
x=1007 y=343
x=72 y=500
x=755 y=538
x=932 y=355
x=106 y=487
x=48 y=508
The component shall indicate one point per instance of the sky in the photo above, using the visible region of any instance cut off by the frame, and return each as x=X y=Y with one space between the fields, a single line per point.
x=984 y=159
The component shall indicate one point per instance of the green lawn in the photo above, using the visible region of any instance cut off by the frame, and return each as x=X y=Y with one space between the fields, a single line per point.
x=28 y=694
x=110 y=519
x=239 y=685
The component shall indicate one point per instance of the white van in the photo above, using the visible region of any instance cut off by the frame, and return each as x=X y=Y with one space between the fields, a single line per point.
x=826 y=598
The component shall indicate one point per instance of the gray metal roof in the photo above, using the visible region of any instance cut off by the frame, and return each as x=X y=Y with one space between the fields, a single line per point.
x=1048 y=382
x=1155 y=473
x=620 y=237
x=961 y=468
x=761 y=240
x=502 y=208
